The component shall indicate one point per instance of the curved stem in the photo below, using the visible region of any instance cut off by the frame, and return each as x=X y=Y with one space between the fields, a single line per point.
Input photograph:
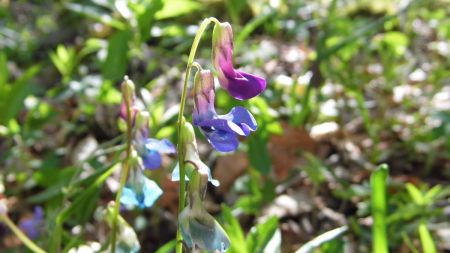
x=24 y=238
x=180 y=122
x=123 y=178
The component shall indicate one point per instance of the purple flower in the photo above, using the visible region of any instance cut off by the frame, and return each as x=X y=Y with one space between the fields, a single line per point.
x=149 y=149
x=32 y=226
x=239 y=84
x=133 y=111
x=222 y=131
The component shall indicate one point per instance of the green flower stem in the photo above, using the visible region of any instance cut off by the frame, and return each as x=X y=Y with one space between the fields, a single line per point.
x=123 y=176
x=24 y=238
x=180 y=122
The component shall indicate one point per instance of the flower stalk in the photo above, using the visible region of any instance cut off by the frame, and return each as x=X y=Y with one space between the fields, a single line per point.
x=127 y=87
x=181 y=122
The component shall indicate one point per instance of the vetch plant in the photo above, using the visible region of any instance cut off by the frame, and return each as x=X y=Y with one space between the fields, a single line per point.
x=142 y=152
x=197 y=228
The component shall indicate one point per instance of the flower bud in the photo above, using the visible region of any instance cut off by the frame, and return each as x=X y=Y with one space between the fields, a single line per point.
x=128 y=97
x=239 y=84
x=187 y=133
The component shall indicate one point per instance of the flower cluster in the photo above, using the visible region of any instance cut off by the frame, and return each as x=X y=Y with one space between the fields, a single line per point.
x=222 y=131
x=198 y=227
x=139 y=190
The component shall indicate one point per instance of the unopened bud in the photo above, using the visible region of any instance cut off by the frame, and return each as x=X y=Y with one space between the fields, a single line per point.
x=127 y=89
x=187 y=133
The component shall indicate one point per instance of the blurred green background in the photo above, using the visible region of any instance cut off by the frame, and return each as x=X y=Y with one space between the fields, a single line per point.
x=352 y=85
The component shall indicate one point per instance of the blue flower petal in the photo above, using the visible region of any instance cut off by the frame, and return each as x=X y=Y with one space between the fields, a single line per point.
x=151 y=192
x=32 y=226
x=243 y=118
x=200 y=229
x=143 y=196
x=221 y=140
x=163 y=146
x=128 y=198
x=201 y=166
x=151 y=159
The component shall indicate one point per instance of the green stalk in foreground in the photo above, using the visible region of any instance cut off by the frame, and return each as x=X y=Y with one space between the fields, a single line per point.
x=180 y=122
x=379 y=209
x=24 y=238
x=127 y=91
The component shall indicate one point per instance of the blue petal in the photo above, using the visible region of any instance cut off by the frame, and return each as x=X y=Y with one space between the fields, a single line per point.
x=219 y=124
x=151 y=159
x=200 y=166
x=200 y=229
x=176 y=174
x=243 y=118
x=128 y=198
x=151 y=192
x=163 y=146
x=221 y=140
x=143 y=197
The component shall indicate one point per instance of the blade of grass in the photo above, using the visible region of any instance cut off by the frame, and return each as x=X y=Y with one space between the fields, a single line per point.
x=379 y=207
x=426 y=239
x=321 y=239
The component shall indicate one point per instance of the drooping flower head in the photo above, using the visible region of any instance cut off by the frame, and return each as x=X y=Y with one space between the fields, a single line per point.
x=149 y=149
x=198 y=227
x=222 y=131
x=33 y=225
x=239 y=84
x=191 y=158
x=139 y=191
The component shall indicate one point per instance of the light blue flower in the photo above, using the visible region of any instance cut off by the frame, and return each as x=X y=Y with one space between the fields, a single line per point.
x=140 y=191
x=198 y=227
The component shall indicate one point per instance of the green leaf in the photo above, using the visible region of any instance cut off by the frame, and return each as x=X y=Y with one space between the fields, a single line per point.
x=415 y=194
x=432 y=194
x=65 y=60
x=250 y=27
x=115 y=65
x=95 y=13
x=261 y=236
x=258 y=153
x=321 y=239
x=15 y=94
x=234 y=231
x=379 y=209
x=4 y=73
x=426 y=239
x=175 y=8
x=168 y=247
x=145 y=14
